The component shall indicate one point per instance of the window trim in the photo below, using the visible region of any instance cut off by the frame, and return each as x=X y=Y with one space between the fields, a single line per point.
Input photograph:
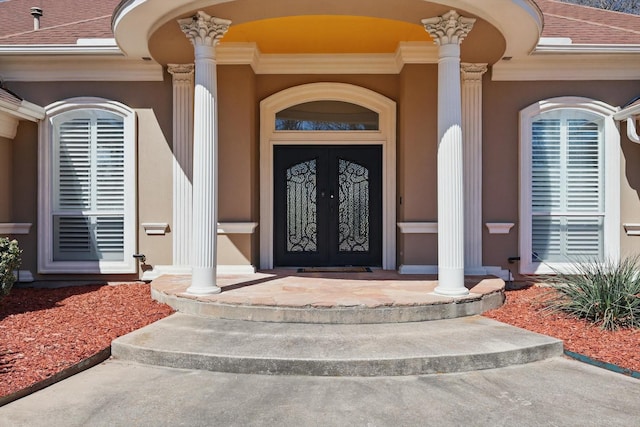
x=46 y=181
x=611 y=174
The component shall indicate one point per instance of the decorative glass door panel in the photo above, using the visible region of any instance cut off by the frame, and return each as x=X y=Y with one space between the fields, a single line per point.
x=328 y=205
x=302 y=226
x=353 y=207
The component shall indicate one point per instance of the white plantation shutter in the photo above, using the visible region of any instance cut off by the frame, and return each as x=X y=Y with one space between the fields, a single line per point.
x=89 y=187
x=567 y=187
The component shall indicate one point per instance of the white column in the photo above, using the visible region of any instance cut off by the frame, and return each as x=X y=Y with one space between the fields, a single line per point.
x=448 y=31
x=472 y=154
x=204 y=32
x=182 y=161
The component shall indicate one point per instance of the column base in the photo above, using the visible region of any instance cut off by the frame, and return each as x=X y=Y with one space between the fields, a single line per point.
x=203 y=281
x=451 y=282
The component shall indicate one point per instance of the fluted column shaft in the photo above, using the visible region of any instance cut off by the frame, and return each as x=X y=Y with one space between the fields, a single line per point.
x=183 y=161
x=204 y=32
x=448 y=31
x=472 y=154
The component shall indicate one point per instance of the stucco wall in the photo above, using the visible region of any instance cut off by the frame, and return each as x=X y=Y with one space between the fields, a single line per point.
x=240 y=91
x=153 y=104
x=417 y=161
x=6 y=168
x=238 y=150
x=502 y=102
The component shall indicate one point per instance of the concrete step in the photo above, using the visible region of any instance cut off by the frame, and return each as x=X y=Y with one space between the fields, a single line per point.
x=382 y=297
x=383 y=349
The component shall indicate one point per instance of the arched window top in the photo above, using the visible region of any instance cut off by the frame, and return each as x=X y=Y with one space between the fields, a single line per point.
x=327 y=116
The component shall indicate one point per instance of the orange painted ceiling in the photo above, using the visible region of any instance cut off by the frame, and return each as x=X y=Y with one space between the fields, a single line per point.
x=326 y=34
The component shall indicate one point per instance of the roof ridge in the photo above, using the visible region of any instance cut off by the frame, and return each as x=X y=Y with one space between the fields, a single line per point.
x=82 y=21
x=628 y=30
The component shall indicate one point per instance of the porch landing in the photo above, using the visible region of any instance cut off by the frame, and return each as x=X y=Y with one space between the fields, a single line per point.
x=285 y=295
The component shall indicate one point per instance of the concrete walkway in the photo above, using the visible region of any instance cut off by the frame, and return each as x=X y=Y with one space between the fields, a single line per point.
x=554 y=392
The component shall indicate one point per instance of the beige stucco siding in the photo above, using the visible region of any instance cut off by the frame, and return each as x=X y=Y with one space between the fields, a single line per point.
x=417 y=161
x=238 y=151
x=6 y=171
x=152 y=102
x=502 y=104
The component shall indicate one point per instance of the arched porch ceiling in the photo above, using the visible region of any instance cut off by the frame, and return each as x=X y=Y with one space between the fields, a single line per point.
x=308 y=34
x=148 y=28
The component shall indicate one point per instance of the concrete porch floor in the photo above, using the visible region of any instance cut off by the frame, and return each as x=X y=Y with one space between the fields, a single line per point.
x=285 y=295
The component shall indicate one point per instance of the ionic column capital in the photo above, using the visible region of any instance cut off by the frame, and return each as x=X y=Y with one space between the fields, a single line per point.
x=181 y=73
x=472 y=72
x=204 y=30
x=450 y=28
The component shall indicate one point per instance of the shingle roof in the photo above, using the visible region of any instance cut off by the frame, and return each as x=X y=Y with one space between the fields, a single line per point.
x=64 y=21
x=587 y=25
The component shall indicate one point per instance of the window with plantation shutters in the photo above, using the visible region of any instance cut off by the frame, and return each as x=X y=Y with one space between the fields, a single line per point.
x=569 y=184
x=91 y=218
x=89 y=198
x=567 y=191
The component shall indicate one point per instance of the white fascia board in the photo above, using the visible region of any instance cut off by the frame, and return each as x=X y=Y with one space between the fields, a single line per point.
x=628 y=112
x=564 y=48
x=61 y=49
x=23 y=111
x=563 y=66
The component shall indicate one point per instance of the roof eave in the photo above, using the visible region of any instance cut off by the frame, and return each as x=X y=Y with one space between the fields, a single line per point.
x=607 y=49
x=59 y=49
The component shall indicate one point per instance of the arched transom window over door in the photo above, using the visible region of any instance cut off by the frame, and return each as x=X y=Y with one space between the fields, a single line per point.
x=342 y=130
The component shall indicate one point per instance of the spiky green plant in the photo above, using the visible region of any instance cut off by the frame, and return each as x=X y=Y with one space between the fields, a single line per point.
x=9 y=261
x=606 y=293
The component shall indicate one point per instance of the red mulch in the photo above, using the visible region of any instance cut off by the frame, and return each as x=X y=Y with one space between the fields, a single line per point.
x=524 y=309
x=43 y=331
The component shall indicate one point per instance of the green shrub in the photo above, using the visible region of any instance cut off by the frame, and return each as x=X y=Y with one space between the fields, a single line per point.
x=606 y=293
x=9 y=261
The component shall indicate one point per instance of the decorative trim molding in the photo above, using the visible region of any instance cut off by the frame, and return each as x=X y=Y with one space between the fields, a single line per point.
x=386 y=137
x=632 y=229
x=14 y=228
x=418 y=227
x=237 y=227
x=418 y=269
x=161 y=270
x=78 y=68
x=433 y=269
x=567 y=67
x=24 y=276
x=366 y=63
x=498 y=272
x=499 y=227
x=155 y=228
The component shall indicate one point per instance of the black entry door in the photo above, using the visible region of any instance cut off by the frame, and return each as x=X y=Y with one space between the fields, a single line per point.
x=328 y=205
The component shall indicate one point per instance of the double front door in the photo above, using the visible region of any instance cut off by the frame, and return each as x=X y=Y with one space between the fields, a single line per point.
x=328 y=205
